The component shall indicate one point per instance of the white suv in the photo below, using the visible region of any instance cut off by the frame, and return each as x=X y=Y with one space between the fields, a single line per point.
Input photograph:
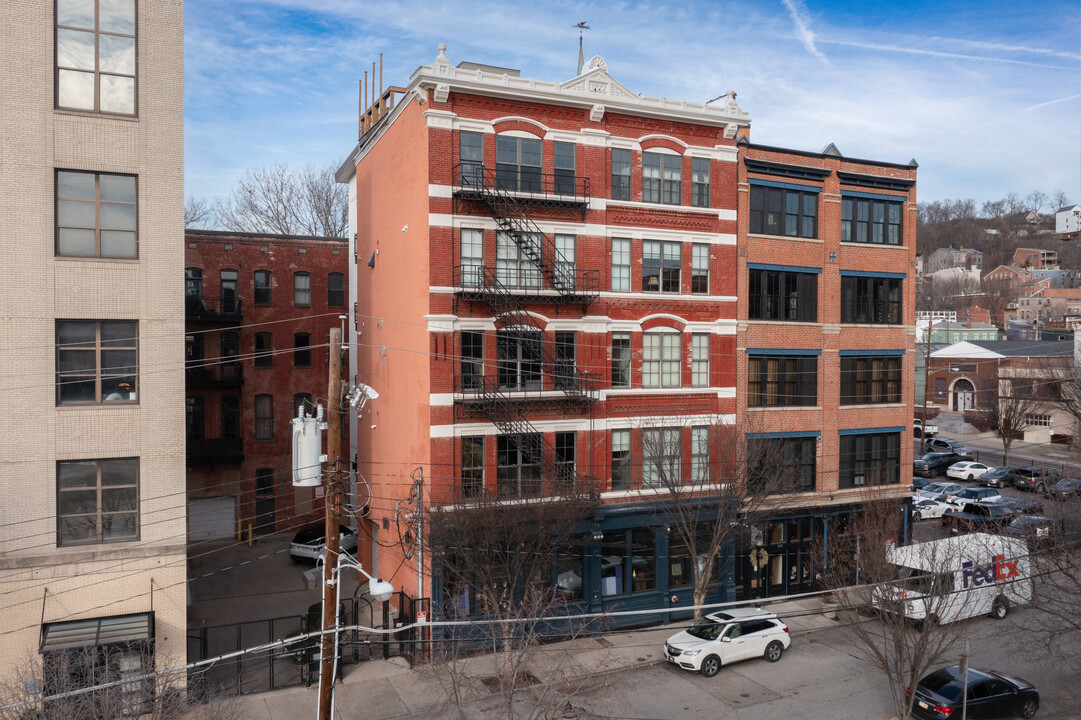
x=722 y=638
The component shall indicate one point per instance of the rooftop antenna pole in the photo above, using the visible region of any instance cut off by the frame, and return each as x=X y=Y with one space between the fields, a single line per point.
x=581 y=57
x=380 y=74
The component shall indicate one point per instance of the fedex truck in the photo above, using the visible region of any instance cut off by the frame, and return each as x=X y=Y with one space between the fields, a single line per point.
x=957 y=578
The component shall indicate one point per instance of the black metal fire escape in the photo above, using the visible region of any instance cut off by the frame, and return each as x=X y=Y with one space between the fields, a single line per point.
x=557 y=283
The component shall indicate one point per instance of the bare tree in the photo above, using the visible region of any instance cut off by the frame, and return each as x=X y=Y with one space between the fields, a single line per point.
x=906 y=639
x=497 y=563
x=277 y=199
x=1021 y=396
x=998 y=294
x=1037 y=200
x=198 y=213
x=731 y=478
x=1059 y=199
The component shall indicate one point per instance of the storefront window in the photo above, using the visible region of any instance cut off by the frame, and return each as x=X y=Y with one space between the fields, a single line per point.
x=644 y=560
x=569 y=575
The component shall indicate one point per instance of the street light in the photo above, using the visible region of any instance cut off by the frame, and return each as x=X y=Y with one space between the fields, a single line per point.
x=380 y=590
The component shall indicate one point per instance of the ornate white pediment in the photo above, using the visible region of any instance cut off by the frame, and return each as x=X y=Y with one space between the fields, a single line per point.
x=596 y=81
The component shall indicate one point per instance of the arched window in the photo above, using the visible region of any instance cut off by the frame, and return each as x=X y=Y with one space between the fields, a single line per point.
x=302 y=352
x=264 y=349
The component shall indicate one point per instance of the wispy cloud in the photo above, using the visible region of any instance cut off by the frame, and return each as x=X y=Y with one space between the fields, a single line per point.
x=1050 y=102
x=799 y=14
x=907 y=49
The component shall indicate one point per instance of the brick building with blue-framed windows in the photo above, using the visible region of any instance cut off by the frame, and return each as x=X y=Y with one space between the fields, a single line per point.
x=825 y=345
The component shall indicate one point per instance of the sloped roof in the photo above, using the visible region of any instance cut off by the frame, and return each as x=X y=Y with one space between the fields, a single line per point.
x=1025 y=348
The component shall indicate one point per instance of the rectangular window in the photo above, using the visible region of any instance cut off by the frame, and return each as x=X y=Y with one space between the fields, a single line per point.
x=564 y=168
x=518 y=359
x=700 y=360
x=193 y=284
x=781 y=380
x=782 y=465
x=869 y=220
x=303 y=402
x=302 y=289
x=565 y=452
x=472 y=360
x=783 y=211
x=700 y=182
x=96 y=215
x=472 y=466
x=699 y=455
x=95 y=56
x=97 y=501
x=621 y=265
x=661 y=265
x=700 y=269
x=871 y=300
x=518 y=163
x=621 y=174
x=230 y=349
x=302 y=350
x=518 y=470
x=870 y=459
x=230 y=416
x=336 y=290
x=782 y=295
x=651 y=177
x=565 y=267
x=621 y=360
x=513 y=267
x=565 y=372
x=621 y=459
x=264 y=349
x=262 y=287
x=228 y=282
x=264 y=417
x=195 y=417
x=870 y=380
x=672 y=186
x=661 y=360
x=662 y=453
x=472 y=270
x=96 y=361
x=471 y=149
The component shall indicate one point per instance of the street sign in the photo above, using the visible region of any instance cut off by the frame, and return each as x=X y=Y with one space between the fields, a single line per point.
x=422 y=617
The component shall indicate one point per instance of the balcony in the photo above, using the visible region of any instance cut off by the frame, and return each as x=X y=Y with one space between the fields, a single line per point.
x=215 y=376
x=214 y=451
x=476 y=283
x=521 y=185
x=213 y=309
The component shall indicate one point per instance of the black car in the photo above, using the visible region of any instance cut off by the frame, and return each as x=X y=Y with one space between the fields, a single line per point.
x=934 y=464
x=998 y=476
x=919 y=484
x=1064 y=489
x=1033 y=529
x=990 y=695
x=1034 y=478
x=1023 y=506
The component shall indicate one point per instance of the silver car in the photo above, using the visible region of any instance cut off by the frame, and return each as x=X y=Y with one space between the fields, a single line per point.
x=725 y=637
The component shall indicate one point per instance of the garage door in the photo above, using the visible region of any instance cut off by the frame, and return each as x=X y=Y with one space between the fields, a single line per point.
x=211 y=518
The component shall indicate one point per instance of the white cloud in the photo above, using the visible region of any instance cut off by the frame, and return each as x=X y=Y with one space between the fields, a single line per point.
x=799 y=14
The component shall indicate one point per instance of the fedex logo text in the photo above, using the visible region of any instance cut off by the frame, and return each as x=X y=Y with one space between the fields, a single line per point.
x=1000 y=569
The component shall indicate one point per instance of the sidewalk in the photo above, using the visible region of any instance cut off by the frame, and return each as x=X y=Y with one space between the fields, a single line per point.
x=385 y=689
x=1021 y=453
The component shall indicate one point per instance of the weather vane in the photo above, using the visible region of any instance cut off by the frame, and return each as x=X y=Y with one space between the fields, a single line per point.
x=581 y=58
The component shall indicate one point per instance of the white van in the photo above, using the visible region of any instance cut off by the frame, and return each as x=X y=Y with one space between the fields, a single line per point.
x=957 y=578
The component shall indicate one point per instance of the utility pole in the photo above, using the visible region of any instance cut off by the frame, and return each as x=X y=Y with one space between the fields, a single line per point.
x=333 y=503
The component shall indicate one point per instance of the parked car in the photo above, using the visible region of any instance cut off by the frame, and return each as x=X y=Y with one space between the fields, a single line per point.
x=722 y=638
x=940 y=490
x=933 y=464
x=927 y=508
x=920 y=431
x=966 y=470
x=973 y=494
x=309 y=544
x=945 y=445
x=998 y=476
x=919 y=484
x=977 y=517
x=1023 y=506
x=990 y=695
x=1033 y=529
x=1064 y=489
x=1033 y=478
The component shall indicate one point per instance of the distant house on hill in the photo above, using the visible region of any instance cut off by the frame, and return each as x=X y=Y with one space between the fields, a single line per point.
x=1068 y=222
x=1035 y=258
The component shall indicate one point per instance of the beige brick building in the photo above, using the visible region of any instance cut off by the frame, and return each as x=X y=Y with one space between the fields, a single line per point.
x=92 y=511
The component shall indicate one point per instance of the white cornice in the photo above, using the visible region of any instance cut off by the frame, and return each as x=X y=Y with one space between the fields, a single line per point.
x=595 y=90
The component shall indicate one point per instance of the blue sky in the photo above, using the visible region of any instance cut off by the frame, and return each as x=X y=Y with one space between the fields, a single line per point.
x=986 y=96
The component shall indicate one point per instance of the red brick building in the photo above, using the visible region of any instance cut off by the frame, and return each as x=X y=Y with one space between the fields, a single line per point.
x=259 y=309
x=549 y=279
x=826 y=257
